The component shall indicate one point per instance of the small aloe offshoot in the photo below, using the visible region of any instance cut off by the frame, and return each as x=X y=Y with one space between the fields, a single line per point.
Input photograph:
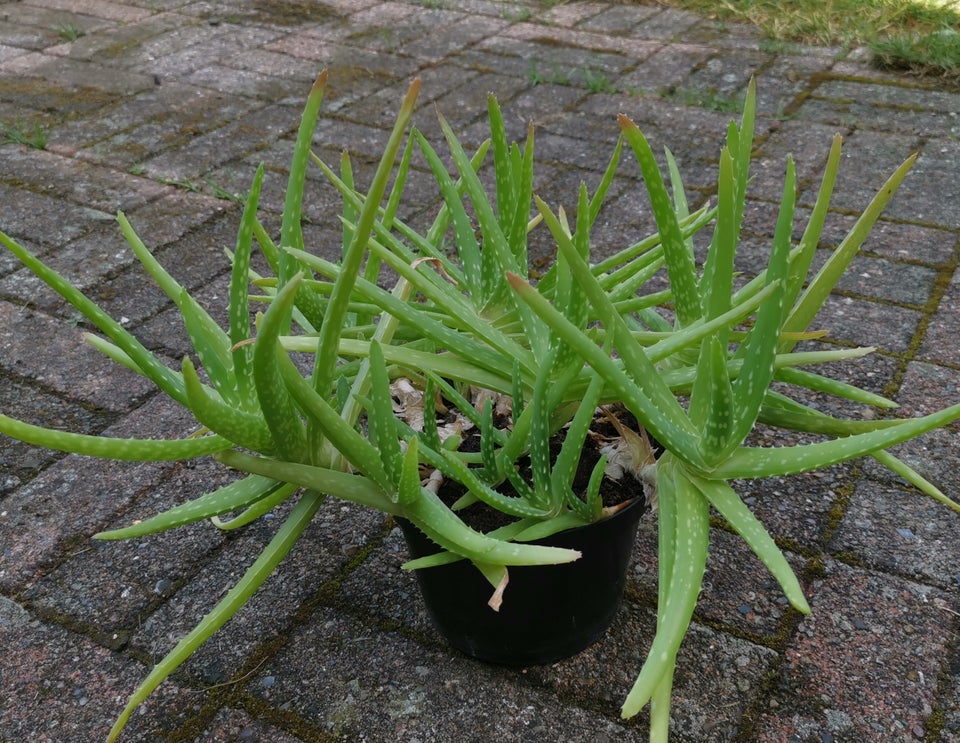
x=728 y=385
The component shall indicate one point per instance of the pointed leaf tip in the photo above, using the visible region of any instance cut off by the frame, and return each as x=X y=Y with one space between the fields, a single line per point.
x=515 y=280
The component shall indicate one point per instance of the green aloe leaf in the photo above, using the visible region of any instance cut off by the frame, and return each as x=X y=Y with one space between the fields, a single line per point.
x=717 y=281
x=408 y=488
x=711 y=400
x=642 y=391
x=210 y=342
x=257 y=509
x=239 y=305
x=428 y=513
x=683 y=583
x=336 y=310
x=759 y=350
x=233 y=497
x=734 y=510
x=238 y=426
x=252 y=579
x=345 y=438
x=751 y=462
x=131 y=450
x=819 y=288
x=277 y=406
x=804 y=254
x=497 y=255
x=679 y=259
x=381 y=423
x=291 y=233
x=468 y=247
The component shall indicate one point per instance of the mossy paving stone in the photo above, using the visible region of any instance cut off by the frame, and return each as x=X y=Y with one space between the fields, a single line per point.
x=889 y=528
x=940 y=342
x=844 y=114
x=238 y=726
x=797 y=509
x=924 y=389
x=90 y=186
x=270 y=12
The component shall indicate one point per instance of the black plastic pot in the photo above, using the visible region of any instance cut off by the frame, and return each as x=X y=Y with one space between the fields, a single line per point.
x=549 y=612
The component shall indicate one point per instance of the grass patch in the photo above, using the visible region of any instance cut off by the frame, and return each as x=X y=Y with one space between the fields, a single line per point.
x=22 y=133
x=915 y=35
x=68 y=32
x=930 y=54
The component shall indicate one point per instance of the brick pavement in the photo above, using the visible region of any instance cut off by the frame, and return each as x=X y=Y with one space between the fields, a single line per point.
x=163 y=107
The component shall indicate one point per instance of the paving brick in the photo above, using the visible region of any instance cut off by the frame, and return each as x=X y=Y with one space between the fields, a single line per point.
x=669 y=66
x=289 y=596
x=21 y=462
x=738 y=591
x=925 y=389
x=866 y=323
x=257 y=128
x=669 y=25
x=557 y=36
x=897 y=241
x=236 y=725
x=616 y=20
x=111 y=587
x=934 y=175
x=69 y=688
x=97 y=8
x=77 y=73
x=939 y=343
x=898 y=531
x=363 y=683
x=82 y=183
x=86 y=374
x=866 y=661
x=572 y=14
x=43 y=522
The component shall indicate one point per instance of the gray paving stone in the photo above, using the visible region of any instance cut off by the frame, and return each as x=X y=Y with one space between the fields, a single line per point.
x=901 y=532
x=55 y=355
x=70 y=688
x=37 y=530
x=863 y=658
x=939 y=344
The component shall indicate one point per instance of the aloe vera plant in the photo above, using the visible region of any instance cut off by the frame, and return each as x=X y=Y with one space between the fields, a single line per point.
x=584 y=335
x=333 y=432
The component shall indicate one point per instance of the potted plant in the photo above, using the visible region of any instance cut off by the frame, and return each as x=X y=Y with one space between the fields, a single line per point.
x=521 y=364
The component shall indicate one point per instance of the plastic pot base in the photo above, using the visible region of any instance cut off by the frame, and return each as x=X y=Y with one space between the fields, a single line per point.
x=549 y=612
